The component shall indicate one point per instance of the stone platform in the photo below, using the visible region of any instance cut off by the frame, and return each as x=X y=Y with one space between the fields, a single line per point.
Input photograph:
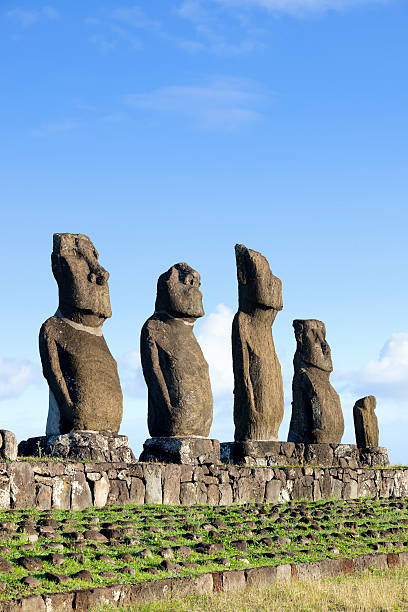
x=79 y=446
x=268 y=453
x=186 y=451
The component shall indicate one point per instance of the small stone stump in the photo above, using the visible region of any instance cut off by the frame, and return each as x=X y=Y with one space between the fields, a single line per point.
x=8 y=445
x=80 y=446
x=365 y=422
x=181 y=450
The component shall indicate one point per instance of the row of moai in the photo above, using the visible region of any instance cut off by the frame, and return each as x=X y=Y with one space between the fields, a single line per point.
x=86 y=403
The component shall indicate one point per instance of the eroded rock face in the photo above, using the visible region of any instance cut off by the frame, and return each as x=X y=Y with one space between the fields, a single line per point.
x=258 y=388
x=365 y=422
x=85 y=392
x=316 y=410
x=176 y=373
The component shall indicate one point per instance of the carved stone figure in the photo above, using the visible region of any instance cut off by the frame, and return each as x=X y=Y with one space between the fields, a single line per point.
x=316 y=410
x=176 y=373
x=365 y=422
x=85 y=392
x=258 y=388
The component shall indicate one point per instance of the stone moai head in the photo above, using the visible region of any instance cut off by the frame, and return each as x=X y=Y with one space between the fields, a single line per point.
x=257 y=286
x=312 y=348
x=178 y=292
x=82 y=281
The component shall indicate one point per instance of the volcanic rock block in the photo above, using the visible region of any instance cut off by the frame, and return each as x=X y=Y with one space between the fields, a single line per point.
x=179 y=392
x=317 y=416
x=365 y=422
x=188 y=451
x=8 y=445
x=258 y=388
x=85 y=392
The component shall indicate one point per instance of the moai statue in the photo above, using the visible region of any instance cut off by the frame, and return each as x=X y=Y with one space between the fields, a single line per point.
x=365 y=422
x=258 y=388
x=316 y=410
x=180 y=401
x=85 y=392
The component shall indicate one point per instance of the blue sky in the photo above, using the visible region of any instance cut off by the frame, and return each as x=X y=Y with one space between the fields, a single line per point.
x=169 y=131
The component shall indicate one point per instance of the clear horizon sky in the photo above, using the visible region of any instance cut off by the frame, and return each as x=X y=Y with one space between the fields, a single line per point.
x=170 y=131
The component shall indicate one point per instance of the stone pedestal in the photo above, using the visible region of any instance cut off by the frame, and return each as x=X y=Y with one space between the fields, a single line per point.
x=80 y=446
x=264 y=452
x=8 y=445
x=189 y=450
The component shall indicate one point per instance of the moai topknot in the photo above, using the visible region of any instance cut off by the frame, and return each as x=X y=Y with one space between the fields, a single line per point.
x=180 y=401
x=85 y=392
x=258 y=388
x=316 y=410
x=365 y=422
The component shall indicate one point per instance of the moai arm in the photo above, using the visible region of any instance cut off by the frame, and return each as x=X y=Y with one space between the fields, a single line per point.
x=51 y=368
x=244 y=392
x=152 y=371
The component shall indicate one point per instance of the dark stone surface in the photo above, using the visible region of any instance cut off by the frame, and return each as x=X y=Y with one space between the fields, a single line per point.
x=85 y=392
x=365 y=422
x=258 y=387
x=316 y=410
x=181 y=450
x=176 y=373
x=79 y=446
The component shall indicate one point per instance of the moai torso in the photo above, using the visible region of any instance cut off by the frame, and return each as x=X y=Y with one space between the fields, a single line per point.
x=317 y=416
x=258 y=388
x=85 y=392
x=176 y=373
x=365 y=422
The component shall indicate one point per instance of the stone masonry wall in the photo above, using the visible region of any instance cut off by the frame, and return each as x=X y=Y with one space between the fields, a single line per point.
x=65 y=485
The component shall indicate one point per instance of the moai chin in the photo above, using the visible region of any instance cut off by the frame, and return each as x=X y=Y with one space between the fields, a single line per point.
x=258 y=388
x=82 y=375
x=180 y=401
x=316 y=410
x=365 y=422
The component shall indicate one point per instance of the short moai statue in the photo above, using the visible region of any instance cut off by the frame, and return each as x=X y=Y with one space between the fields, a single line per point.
x=258 y=388
x=180 y=403
x=316 y=410
x=365 y=422
x=85 y=392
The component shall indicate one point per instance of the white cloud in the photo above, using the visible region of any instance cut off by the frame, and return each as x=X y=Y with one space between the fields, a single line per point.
x=131 y=375
x=215 y=341
x=15 y=376
x=28 y=18
x=53 y=128
x=134 y=16
x=221 y=102
x=298 y=7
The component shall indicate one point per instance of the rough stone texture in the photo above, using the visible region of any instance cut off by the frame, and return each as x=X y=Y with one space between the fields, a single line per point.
x=188 y=451
x=85 y=392
x=253 y=452
x=8 y=445
x=316 y=410
x=365 y=422
x=176 y=373
x=170 y=588
x=75 y=486
x=258 y=388
x=79 y=446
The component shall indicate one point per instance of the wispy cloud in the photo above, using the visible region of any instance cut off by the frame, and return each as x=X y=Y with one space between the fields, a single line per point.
x=53 y=128
x=215 y=341
x=26 y=18
x=222 y=102
x=15 y=376
x=298 y=7
x=134 y=16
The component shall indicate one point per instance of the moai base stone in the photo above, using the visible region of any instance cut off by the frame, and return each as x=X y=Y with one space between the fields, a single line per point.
x=196 y=451
x=267 y=453
x=80 y=446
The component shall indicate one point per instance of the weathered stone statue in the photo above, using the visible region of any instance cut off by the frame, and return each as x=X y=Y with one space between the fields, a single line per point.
x=365 y=422
x=258 y=388
x=85 y=392
x=176 y=373
x=316 y=410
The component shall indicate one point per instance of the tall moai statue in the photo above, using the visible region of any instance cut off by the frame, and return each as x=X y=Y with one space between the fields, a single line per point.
x=82 y=375
x=258 y=388
x=180 y=402
x=365 y=422
x=316 y=410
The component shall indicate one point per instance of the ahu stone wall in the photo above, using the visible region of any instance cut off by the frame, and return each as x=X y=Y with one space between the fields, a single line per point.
x=71 y=485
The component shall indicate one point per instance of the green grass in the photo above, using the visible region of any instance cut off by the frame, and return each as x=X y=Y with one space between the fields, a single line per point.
x=329 y=529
